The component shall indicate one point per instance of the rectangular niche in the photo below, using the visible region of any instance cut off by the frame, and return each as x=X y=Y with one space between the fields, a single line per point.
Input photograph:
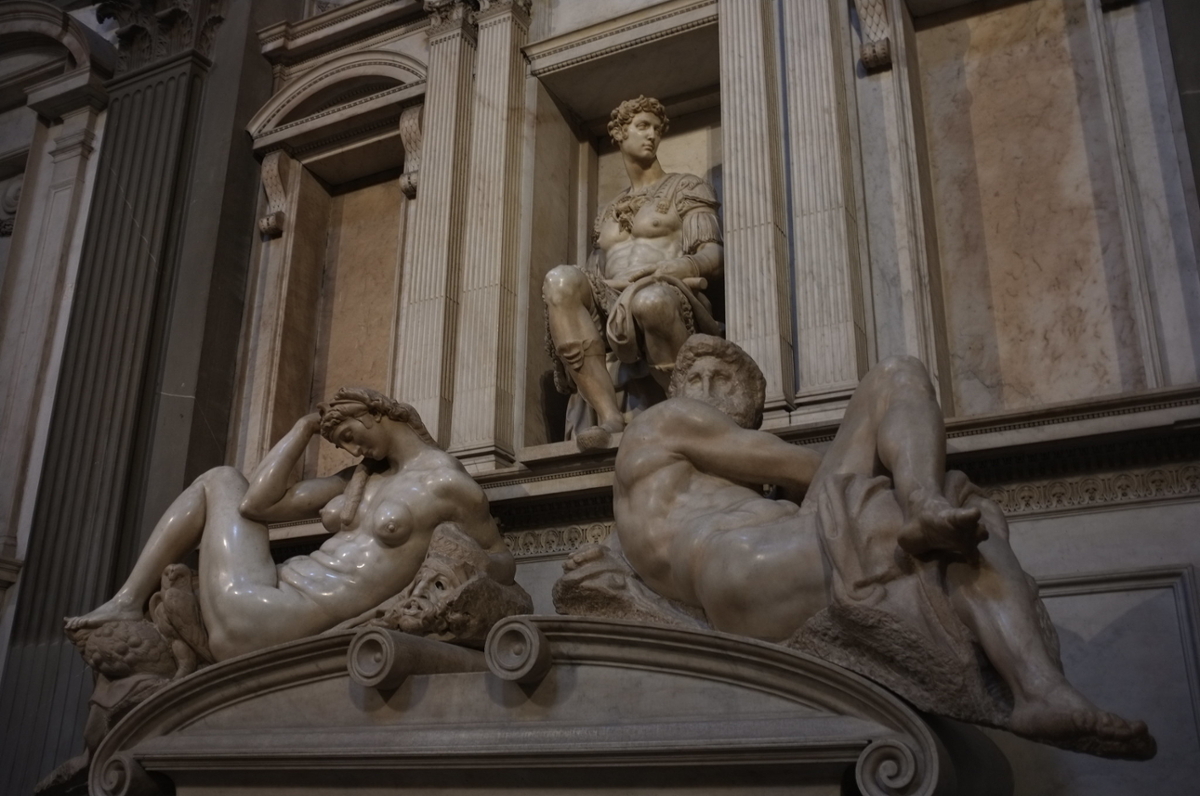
x=1039 y=274
x=359 y=290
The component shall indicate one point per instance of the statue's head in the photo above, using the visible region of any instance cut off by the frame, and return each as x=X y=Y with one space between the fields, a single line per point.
x=369 y=408
x=722 y=375
x=638 y=124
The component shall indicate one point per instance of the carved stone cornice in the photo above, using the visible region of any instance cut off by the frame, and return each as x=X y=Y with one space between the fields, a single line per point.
x=154 y=30
x=451 y=16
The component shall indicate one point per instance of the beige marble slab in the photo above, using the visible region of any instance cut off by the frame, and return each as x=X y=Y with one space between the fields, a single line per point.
x=1036 y=281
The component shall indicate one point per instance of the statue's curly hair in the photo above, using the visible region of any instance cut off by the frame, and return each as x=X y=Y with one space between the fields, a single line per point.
x=351 y=402
x=623 y=114
x=749 y=412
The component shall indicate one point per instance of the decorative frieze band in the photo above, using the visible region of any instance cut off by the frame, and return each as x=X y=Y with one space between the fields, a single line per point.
x=1095 y=491
x=1024 y=500
x=555 y=542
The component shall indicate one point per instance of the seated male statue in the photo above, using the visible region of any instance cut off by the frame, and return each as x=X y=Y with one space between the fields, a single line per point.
x=874 y=531
x=640 y=294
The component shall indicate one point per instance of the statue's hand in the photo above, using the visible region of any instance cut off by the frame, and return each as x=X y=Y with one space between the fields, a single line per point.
x=629 y=277
x=310 y=423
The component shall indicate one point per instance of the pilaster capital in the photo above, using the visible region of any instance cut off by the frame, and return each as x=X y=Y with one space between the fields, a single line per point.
x=150 y=32
x=450 y=16
x=519 y=9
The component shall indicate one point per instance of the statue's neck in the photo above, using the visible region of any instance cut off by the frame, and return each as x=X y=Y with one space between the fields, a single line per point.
x=643 y=176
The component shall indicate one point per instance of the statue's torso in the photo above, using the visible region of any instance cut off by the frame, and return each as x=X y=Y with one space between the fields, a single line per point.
x=380 y=551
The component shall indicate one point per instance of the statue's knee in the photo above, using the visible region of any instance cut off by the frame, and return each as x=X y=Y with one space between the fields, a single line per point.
x=655 y=306
x=903 y=368
x=564 y=283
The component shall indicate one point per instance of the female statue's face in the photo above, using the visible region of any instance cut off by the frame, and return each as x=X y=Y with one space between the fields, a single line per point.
x=363 y=436
x=642 y=136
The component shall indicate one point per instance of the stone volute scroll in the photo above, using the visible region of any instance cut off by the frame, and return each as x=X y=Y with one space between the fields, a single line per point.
x=410 y=135
x=276 y=168
x=413 y=550
x=616 y=322
x=903 y=575
x=876 y=34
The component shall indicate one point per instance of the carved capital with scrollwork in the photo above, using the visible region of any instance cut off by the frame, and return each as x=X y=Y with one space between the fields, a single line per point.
x=448 y=16
x=153 y=31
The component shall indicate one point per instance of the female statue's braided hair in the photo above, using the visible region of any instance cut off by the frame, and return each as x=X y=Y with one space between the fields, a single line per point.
x=353 y=402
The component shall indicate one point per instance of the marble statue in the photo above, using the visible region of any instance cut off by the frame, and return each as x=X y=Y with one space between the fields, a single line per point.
x=411 y=530
x=640 y=295
x=871 y=555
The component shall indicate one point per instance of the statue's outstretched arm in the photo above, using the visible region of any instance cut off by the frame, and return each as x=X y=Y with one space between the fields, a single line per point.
x=716 y=445
x=270 y=499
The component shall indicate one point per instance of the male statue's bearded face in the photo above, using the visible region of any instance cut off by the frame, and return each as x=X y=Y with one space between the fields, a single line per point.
x=715 y=382
x=642 y=136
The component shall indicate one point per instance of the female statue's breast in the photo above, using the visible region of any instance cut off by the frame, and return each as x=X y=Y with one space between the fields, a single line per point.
x=393 y=523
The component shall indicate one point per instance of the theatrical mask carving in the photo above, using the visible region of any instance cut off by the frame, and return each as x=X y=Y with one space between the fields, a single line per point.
x=616 y=323
x=871 y=556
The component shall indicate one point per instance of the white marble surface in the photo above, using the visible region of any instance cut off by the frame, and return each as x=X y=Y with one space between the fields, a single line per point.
x=1037 y=291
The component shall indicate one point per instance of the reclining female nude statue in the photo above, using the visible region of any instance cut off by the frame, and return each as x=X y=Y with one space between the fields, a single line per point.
x=875 y=557
x=382 y=514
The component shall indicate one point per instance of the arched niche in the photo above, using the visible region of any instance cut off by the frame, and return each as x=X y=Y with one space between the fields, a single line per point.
x=339 y=143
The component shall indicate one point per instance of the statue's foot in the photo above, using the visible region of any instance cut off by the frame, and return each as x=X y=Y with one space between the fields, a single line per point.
x=1067 y=720
x=935 y=527
x=111 y=611
x=599 y=437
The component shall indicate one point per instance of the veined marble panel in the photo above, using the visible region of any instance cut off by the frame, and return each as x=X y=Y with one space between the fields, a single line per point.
x=1035 y=265
x=358 y=299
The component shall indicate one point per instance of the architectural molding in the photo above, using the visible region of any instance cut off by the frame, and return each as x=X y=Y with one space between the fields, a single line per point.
x=607 y=38
x=86 y=49
x=1102 y=491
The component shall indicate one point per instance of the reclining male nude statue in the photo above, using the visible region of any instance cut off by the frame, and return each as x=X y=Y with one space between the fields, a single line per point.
x=879 y=567
x=382 y=513
x=641 y=292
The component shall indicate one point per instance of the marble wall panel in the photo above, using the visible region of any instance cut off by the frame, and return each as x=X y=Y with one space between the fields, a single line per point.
x=358 y=298
x=1034 y=262
x=1164 y=197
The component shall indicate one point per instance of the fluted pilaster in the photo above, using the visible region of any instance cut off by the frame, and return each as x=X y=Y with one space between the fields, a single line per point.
x=427 y=338
x=485 y=382
x=757 y=301
x=830 y=338
x=79 y=523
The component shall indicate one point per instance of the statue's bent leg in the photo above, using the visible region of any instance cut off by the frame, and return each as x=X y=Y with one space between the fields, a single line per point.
x=571 y=312
x=894 y=423
x=243 y=606
x=177 y=533
x=997 y=600
x=656 y=310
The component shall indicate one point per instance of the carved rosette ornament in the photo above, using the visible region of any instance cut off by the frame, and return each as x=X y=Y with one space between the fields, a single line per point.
x=876 y=34
x=152 y=30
